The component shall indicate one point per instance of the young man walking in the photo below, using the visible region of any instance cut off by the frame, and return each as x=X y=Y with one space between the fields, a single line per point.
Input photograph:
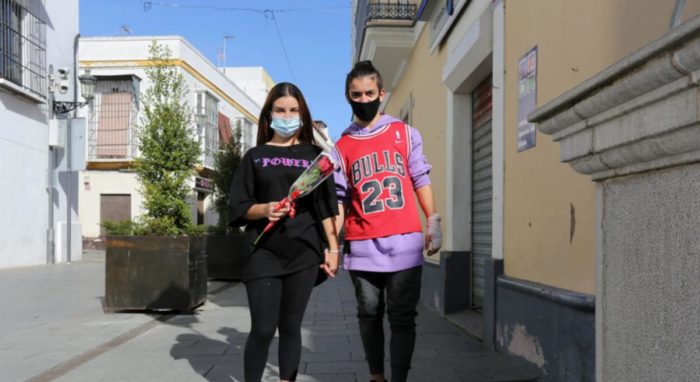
x=382 y=168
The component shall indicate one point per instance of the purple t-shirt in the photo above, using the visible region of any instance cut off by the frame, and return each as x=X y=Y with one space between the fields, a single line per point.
x=390 y=253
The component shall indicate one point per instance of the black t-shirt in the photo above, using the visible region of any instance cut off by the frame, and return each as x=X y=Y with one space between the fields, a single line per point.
x=265 y=175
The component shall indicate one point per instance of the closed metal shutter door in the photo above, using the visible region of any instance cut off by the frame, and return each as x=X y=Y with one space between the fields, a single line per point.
x=481 y=189
x=114 y=208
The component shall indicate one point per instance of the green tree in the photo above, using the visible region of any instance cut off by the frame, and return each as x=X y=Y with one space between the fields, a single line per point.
x=169 y=150
x=226 y=161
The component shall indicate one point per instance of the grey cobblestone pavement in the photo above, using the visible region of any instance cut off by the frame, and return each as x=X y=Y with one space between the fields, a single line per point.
x=53 y=328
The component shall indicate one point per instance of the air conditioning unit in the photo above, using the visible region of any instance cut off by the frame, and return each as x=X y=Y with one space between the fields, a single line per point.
x=57 y=132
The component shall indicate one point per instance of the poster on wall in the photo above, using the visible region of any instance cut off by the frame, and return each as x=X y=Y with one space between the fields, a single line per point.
x=527 y=99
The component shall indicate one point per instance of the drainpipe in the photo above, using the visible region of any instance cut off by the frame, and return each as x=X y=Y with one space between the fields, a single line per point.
x=676 y=15
x=50 y=173
x=69 y=153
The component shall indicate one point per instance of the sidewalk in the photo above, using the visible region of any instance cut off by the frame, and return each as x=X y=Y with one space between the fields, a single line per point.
x=52 y=328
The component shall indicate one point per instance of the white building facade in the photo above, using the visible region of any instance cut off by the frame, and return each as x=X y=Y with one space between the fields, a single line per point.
x=253 y=80
x=256 y=83
x=109 y=189
x=37 y=39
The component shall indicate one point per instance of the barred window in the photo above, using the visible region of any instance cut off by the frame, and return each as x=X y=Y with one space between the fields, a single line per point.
x=112 y=119
x=22 y=47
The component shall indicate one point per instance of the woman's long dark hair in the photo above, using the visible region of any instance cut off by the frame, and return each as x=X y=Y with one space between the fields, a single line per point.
x=284 y=89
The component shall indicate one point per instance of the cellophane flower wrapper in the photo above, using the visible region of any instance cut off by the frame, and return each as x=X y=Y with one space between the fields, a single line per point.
x=318 y=171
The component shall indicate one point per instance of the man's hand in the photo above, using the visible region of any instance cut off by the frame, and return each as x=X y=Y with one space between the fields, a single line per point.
x=433 y=236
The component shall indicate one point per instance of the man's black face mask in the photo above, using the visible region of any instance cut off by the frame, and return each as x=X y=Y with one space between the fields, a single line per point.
x=365 y=111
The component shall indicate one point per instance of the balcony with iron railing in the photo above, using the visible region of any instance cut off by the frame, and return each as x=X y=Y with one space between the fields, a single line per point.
x=372 y=13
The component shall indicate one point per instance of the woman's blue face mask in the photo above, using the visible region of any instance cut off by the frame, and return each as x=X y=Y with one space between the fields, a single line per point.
x=285 y=127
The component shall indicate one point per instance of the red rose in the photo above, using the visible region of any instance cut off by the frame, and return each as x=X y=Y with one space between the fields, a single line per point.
x=325 y=164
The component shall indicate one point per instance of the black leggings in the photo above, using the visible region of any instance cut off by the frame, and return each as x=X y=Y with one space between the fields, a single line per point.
x=277 y=302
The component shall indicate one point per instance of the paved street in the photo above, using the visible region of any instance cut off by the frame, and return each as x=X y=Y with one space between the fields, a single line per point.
x=52 y=328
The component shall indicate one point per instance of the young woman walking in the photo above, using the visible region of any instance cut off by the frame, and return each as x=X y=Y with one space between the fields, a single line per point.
x=280 y=273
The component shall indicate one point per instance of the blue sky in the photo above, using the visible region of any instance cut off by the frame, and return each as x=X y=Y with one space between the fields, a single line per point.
x=316 y=35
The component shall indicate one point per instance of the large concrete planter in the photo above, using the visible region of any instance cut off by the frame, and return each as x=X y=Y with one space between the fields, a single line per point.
x=226 y=256
x=155 y=273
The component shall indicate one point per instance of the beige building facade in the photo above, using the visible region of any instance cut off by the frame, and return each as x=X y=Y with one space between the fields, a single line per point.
x=556 y=245
x=522 y=230
x=631 y=128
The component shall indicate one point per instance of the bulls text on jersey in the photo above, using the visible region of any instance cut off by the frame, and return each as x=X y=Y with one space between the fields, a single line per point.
x=372 y=164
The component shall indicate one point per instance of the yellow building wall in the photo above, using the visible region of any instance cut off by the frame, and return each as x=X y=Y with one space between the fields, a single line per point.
x=549 y=210
x=422 y=81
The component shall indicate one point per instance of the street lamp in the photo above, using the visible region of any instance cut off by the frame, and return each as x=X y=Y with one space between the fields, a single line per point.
x=87 y=85
x=200 y=119
x=87 y=88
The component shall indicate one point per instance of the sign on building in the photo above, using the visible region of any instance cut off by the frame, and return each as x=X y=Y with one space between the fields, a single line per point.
x=203 y=184
x=527 y=99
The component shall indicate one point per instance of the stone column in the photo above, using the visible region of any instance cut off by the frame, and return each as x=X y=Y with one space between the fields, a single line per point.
x=635 y=130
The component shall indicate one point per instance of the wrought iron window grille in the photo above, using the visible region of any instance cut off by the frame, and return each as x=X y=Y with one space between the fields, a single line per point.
x=22 y=48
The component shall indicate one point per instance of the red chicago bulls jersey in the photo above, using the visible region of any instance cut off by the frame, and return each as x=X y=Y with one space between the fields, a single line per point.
x=380 y=186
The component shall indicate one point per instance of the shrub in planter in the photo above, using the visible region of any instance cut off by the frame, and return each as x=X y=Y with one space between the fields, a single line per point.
x=158 y=261
x=226 y=250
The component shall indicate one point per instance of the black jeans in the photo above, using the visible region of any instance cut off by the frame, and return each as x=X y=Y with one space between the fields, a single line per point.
x=277 y=302
x=402 y=295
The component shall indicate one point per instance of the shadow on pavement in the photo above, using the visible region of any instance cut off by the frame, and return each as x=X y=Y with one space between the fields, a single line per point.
x=216 y=359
